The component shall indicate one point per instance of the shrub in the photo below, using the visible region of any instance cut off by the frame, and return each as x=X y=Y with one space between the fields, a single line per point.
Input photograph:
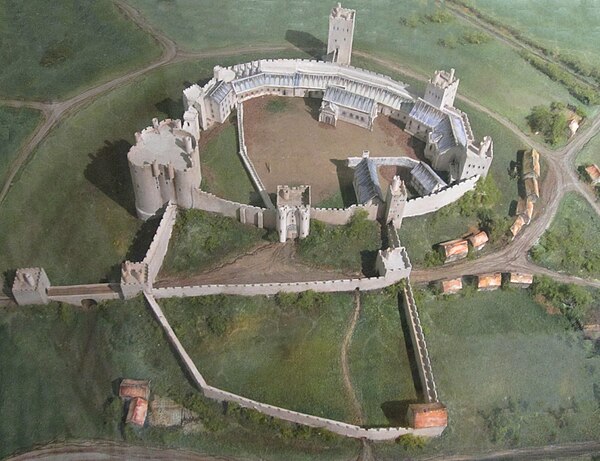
x=572 y=300
x=440 y=17
x=411 y=442
x=550 y=121
x=475 y=37
x=448 y=42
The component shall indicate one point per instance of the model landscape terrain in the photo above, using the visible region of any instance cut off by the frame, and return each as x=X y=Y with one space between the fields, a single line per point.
x=233 y=234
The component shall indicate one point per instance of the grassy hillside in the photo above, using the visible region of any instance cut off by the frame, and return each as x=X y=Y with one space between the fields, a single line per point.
x=510 y=373
x=201 y=240
x=590 y=152
x=397 y=30
x=15 y=126
x=80 y=218
x=570 y=28
x=284 y=352
x=52 y=52
x=572 y=242
x=60 y=368
x=380 y=366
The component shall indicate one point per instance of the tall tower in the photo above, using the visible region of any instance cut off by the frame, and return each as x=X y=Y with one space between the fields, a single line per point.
x=441 y=89
x=395 y=203
x=341 y=32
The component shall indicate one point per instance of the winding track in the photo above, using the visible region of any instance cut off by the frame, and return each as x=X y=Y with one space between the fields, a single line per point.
x=351 y=393
x=561 y=178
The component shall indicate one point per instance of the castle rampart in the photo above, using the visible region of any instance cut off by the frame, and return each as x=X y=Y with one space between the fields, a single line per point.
x=338 y=427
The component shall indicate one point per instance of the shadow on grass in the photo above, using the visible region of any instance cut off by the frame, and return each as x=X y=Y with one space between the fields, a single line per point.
x=8 y=277
x=396 y=412
x=345 y=176
x=171 y=108
x=367 y=262
x=520 y=183
x=414 y=367
x=138 y=248
x=108 y=170
x=306 y=42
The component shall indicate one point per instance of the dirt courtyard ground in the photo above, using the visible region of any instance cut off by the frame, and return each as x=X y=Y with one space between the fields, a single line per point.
x=289 y=145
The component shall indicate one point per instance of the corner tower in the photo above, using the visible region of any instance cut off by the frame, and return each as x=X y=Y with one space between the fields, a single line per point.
x=341 y=32
x=441 y=89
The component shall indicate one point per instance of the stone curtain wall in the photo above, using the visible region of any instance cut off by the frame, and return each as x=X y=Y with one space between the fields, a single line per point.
x=340 y=216
x=405 y=162
x=344 y=429
x=75 y=294
x=420 y=346
x=243 y=151
x=160 y=243
x=324 y=286
x=433 y=202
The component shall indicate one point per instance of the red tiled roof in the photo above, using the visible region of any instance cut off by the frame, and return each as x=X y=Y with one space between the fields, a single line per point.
x=451 y=286
x=455 y=247
x=138 y=408
x=518 y=277
x=489 y=280
x=422 y=415
x=517 y=225
x=532 y=189
x=593 y=171
x=478 y=239
x=131 y=388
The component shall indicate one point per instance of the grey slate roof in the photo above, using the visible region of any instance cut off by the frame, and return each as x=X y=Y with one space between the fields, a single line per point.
x=427 y=114
x=252 y=78
x=220 y=91
x=427 y=179
x=447 y=128
x=366 y=181
x=345 y=98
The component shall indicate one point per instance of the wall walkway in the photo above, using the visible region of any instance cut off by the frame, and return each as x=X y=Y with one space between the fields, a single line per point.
x=243 y=151
x=420 y=346
x=160 y=243
x=325 y=286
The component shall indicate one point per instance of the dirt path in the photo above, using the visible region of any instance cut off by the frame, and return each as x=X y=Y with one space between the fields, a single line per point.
x=358 y=417
x=96 y=450
x=560 y=179
x=272 y=262
x=567 y=450
x=56 y=111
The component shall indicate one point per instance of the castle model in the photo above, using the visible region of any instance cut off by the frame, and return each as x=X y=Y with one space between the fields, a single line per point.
x=165 y=164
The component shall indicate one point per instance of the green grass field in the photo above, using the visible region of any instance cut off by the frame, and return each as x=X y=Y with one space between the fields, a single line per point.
x=558 y=25
x=80 y=218
x=16 y=125
x=378 y=30
x=590 y=152
x=59 y=365
x=572 y=243
x=285 y=356
x=201 y=240
x=351 y=247
x=222 y=171
x=510 y=374
x=379 y=364
x=50 y=53
x=59 y=368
